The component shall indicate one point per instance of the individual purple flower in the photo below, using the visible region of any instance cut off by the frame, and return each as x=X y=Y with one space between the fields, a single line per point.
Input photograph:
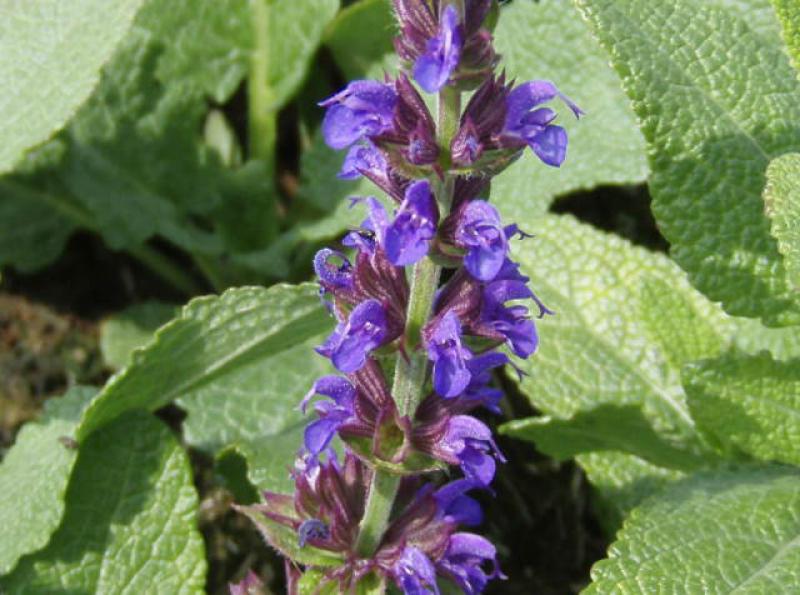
x=312 y=529
x=512 y=322
x=407 y=238
x=455 y=506
x=362 y=159
x=352 y=340
x=332 y=414
x=464 y=560
x=363 y=109
x=532 y=124
x=470 y=442
x=333 y=269
x=482 y=234
x=415 y=573
x=449 y=356
x=478 y=389
x=433 y=69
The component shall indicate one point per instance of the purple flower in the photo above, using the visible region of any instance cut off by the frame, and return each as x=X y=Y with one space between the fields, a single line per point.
x=312 y=529
x=512 y=322
x=464 y=559
x=363 y=109
x=351 y=341
x=333 y=413
x=478 y=389
x=449 y=356
x=442 y=53
x=414 y=226
x=455 y=506
x=333 y=275
x=415 y=573
x=534 y=126
x=363 y=159
x=471 y=442
x=482 y=234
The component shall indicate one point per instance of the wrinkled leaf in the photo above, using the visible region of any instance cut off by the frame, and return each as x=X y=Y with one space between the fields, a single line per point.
x=548 y=40
x=720 y=532
x=130 y=519
x=34 y=475
x=216 y=342
x=51 y=54
x=748 y=403
x=361 y=39
x=782 y=200
x=789 y=15
x=605 y=428
x=713 y=118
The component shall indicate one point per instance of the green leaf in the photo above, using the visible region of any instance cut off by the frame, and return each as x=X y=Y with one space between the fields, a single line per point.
x=782 y=200
x=721 y=532
x=294 y=30
x=132 y=328
x=284 y=539
x=50 y=59
x=604 y=428
x=130 y=520
x=548 y=40
x=759 y=14
x=713 y=118
x=34 y=476
x=360 y=39
x=604 y=346
x=219 y=357
x=748 y=403
x=789 y=15
x=205 y=44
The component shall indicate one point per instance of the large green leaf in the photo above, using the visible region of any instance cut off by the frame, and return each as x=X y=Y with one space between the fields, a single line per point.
x=713 y=118
x=203 y=354
x=51 y=54
x=130 y=520
x=723 y=532
x=606 y=345
x=782 y=199
x=605 y=428
x=34 y=476
x=548 y=40
x=748 y=403
x=789 y=14
x=130 y=329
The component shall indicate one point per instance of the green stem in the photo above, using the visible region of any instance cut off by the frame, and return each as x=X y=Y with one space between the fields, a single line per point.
x=262 y=116
x=411 y=366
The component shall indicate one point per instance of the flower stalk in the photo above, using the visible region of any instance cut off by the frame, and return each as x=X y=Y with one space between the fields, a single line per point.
x=385 y=289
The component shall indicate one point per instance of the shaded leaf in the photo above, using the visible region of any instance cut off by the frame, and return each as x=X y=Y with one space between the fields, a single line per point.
x=713 y=119
x=782 y=199
x=34 y=475
x=748 y=403
x=132 y=328
x=130 y=520
x=51 y=54
x=789 y=15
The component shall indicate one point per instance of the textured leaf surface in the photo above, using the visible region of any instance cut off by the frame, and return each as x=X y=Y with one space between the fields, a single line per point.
x=295 y=30
x=34 y=476
x=51 y=54
x=724 y=532
x=548 y=40
x=131 y=329
x=216 y=343
x=713 y=118
x=605 y=345
x=748 y=403
x=605 y=428
x=782 y=199
x=129 y=525
x=789 y=14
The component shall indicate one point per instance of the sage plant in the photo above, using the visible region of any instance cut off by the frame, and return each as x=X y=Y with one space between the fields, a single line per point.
x=428 y=303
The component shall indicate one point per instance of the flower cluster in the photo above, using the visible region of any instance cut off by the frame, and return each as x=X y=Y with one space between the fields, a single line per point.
x=415 y=356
